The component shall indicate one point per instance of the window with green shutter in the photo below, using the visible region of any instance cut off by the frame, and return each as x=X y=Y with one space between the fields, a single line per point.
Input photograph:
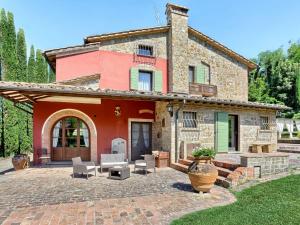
x=134 y=78
x=221 y=131
x=202 y=74
x=158 y=82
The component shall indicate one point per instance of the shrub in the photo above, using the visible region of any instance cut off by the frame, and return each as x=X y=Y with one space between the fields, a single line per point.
x=203 y=151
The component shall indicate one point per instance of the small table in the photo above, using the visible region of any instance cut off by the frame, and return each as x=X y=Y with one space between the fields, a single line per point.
x=119 y=173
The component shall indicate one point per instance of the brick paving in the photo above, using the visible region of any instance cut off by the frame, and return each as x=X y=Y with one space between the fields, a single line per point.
x=51 y=196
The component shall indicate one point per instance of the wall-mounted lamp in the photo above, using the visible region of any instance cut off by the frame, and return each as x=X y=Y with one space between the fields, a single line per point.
x=170 y=109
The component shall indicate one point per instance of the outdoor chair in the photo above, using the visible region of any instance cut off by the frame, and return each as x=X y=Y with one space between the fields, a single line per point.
x=145 y=164
x=112 y=160
x=80 y=167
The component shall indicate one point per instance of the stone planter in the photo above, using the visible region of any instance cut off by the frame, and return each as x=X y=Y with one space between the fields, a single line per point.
x=20 y=161
x=203 y=176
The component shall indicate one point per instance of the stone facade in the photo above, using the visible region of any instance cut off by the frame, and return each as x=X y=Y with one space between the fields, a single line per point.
x=129 y=44
x=266 y=164
x=203 y=134
x=230 y=76
x=178 y=52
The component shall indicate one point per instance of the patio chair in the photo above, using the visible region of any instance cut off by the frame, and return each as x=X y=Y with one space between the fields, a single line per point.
x=80 y=167
x=147 y=163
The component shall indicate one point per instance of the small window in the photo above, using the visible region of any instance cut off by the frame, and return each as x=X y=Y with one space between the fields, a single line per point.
x=191 y=74
x=190 y=119
x=145 y=81
x=145 y=50
x=264 y=123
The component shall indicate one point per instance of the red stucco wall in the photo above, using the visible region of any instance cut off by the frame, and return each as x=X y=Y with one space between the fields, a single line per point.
x=114 y=68
x=107 y=124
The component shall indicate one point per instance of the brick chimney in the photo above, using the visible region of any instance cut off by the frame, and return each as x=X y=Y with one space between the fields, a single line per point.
x=177 y=18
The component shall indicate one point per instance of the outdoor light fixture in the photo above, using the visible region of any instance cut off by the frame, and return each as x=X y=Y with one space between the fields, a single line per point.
x=170 y=109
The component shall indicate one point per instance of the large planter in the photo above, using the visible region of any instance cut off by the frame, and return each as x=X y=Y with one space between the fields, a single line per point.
x=204 y=177
x=20 y=161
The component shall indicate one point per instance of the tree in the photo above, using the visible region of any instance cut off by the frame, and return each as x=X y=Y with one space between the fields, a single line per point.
x=21 y=57
x=31 y=65
x=51 y=76
x=41 y=70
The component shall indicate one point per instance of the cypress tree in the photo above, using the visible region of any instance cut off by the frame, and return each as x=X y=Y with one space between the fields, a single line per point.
x=21 y=56
x=25 y=139
x=3 y=25
x=41 y=73
x=51 y=75
x=31 y=66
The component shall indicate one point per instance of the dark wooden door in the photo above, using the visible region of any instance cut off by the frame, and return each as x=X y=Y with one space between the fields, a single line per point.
x=70 y=138
x=141 y=139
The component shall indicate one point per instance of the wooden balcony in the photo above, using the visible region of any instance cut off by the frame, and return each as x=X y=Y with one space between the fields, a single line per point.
x=205 y=90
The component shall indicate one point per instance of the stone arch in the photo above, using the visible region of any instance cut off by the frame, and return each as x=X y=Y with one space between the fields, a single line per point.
x=53 y=118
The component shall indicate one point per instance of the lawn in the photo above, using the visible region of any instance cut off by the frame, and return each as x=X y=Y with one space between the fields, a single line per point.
x=274 y=202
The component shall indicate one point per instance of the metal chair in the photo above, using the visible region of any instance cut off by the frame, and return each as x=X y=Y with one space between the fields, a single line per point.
x=147 y=163
x=80 y=167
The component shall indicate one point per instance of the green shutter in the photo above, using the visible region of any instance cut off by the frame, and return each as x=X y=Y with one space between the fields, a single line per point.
x=157 y=84
x=221 y=132
x=200 y=74
x=134 y=78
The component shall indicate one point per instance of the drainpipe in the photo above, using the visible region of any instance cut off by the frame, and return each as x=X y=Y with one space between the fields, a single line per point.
x=176 y=129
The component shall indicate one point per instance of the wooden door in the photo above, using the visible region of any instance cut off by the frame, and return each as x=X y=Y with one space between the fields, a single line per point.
x=141 y=139
x=70 y=138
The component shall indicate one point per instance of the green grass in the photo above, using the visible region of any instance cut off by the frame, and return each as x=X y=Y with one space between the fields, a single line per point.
x=274 y=202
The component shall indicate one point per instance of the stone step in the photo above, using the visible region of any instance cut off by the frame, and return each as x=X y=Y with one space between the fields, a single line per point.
x=223 y=171
x=181 y=167
x=186 y=162
x=222 y=181
x=225 y=164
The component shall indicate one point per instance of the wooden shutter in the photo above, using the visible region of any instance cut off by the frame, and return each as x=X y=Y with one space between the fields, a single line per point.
x=134 y=78
x=221 y=132
x=157 y=82
x=200 y=74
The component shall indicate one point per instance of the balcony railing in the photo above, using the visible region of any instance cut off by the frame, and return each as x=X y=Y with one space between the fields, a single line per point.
x=205 y=90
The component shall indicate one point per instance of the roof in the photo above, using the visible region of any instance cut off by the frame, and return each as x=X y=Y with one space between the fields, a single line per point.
x=30 y=93
x=95 y=40
x=80 y=79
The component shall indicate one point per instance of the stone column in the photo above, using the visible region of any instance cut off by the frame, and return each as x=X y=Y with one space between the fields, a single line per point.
x=177 y=18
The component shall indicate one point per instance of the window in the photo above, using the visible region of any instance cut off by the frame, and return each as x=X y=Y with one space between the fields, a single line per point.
x=145 y=81
x=190 y=119
x=191 y=74
x=145 y=50
x=206 y=69
x=264 y=123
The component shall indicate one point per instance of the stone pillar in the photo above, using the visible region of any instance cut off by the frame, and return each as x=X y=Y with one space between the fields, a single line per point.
x=177 y=18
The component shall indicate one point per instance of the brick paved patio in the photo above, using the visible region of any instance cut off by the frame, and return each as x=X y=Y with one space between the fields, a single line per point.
x=51 y=196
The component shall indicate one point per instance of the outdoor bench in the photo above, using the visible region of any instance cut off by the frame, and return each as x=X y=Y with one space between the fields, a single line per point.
x=111 y=160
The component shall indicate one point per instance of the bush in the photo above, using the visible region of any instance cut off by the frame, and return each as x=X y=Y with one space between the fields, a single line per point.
x=202 y=151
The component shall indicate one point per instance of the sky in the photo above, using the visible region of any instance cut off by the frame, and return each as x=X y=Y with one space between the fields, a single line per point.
x=247 y=27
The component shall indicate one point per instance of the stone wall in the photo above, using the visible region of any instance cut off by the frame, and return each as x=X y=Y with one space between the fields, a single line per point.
x=249 y=124
x=178 y=51
x=266 y=163
x=129 y=44
x=230 y=76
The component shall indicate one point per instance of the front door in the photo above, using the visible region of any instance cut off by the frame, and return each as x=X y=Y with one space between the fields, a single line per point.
x=141 y=139
x=70 y=138
x=233 y=132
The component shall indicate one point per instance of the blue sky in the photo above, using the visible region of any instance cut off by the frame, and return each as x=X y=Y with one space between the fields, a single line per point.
x=247 y=27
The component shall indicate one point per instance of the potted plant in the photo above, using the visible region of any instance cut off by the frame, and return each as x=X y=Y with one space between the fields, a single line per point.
x=202 y=173
x=20 y=161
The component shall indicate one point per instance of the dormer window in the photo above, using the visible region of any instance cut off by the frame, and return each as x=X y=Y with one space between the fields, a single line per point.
x=145 y=50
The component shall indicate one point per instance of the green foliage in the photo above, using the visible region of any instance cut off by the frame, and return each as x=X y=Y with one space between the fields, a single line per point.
x=203 y=151
x=15 y=124
x=274 y=202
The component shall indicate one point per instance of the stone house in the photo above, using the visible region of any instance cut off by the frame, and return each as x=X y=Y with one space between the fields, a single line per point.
x=162 y=88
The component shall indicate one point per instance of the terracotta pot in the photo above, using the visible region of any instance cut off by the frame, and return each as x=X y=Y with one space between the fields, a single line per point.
x=204 y=179
x=203 y=159
x=20 y=161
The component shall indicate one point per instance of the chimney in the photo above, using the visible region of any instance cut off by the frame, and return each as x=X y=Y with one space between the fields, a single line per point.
x=177 y=18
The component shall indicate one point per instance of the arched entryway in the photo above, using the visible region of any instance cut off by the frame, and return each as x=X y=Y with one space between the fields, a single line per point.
x=55 y=118
x=70 y=138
